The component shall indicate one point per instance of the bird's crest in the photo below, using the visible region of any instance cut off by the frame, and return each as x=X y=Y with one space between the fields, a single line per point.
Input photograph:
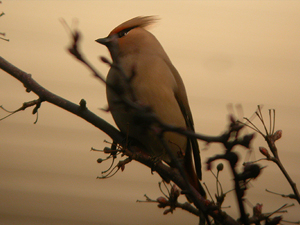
x=140 y=21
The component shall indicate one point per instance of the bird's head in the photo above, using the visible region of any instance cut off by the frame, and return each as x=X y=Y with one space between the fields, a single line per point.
x=130 y=36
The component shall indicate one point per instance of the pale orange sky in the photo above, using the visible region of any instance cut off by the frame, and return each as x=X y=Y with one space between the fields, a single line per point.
x=239 y=52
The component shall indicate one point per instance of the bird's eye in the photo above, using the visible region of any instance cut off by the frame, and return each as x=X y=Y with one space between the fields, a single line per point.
x=123 y=33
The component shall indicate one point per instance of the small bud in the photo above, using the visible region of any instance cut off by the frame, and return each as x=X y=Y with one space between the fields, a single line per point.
x=167 y=211
x=257 y=210
x=175 y=192
x=220 y=167
x=265 y=152
x=207 y=202
x=277 y=135
x=162 y=200
x=34 y=111
x=123 y=167
x=37 y=106
x=107 y=150
x=82 y=104
x=99 y=160
x=105 y=60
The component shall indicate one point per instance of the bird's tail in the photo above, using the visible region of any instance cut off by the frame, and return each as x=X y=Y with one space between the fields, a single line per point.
x=191 y=173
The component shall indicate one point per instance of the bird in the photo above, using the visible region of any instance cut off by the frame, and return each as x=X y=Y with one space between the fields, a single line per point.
x=153 y=82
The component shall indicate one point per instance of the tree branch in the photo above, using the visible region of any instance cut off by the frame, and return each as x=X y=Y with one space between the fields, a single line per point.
x=271 y=137
x=47 y=96
x=133 y=152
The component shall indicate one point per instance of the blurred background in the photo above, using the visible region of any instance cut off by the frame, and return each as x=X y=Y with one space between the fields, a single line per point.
x=227 y=52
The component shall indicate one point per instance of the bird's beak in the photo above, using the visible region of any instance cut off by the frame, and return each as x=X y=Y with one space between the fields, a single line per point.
x=104 y=41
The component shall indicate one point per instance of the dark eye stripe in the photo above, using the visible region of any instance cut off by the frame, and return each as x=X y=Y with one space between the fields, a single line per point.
x=124 y=32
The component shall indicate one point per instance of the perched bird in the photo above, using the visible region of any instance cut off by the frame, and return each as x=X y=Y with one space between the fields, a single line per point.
x=154 y=82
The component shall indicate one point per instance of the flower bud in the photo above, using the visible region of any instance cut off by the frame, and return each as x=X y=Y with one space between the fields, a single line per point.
x=107 y=150
x=162 y=200
x=277 y=135
x=265 y=152
x=220 y=167
x=257 y=210
x=167 y=211
x=105 y=60
x=175 y=192
x=122 y=167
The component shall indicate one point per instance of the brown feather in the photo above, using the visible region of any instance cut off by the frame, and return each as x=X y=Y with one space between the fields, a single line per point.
x=140 y=21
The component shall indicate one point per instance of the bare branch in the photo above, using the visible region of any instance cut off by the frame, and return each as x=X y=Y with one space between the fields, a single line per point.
x=271 y=137
x=47 y=96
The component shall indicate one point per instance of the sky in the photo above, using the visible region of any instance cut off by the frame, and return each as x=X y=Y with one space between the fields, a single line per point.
x=229 y=53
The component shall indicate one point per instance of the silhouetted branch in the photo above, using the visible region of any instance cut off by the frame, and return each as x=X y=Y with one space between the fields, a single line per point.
x=47 y=96
x=165 y=202
x=271 y=137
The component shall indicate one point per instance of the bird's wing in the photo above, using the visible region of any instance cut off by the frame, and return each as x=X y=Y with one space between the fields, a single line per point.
x=182 y=100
